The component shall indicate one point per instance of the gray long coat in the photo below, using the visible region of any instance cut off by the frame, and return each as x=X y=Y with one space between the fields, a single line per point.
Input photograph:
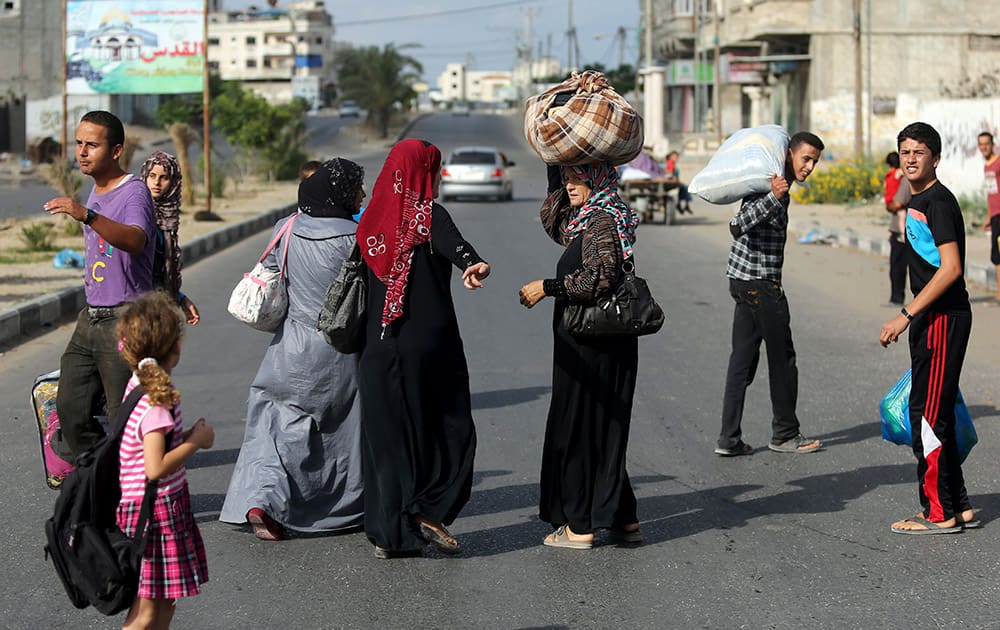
x=301 y=455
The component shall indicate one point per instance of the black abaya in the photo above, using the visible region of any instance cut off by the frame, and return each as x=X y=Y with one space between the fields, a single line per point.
x=584 y=483
x=419 y=440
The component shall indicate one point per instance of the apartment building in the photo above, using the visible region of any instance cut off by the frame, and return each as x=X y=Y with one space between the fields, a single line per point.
x=278 y=53
x=458 y=83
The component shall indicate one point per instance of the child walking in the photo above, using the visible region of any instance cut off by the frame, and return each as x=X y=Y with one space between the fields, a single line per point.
x=155 y=446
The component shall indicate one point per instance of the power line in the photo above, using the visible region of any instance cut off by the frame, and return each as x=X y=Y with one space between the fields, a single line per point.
x=415 y=16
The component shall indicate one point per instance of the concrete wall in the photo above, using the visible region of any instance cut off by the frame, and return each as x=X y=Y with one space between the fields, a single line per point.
x=32 y=47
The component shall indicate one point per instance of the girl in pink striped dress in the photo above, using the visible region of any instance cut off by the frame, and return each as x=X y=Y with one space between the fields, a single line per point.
x=155 y=446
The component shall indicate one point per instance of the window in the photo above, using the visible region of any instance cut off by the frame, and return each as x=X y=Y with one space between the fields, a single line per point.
x=9 y=6
x=251 y=40
x=213 y=65
x=319 y=40
x=267 y=63
x=213 y=41
x=251 y=63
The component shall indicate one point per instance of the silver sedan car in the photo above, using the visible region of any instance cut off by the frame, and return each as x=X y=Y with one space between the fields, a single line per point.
x=477 y=172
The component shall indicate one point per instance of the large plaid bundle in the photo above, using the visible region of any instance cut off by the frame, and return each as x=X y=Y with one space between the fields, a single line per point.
x=596 y=123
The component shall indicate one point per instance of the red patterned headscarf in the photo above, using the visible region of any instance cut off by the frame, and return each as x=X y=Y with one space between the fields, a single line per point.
x=398 y=219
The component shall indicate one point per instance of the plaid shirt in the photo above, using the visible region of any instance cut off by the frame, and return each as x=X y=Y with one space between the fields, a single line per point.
x=759 y=231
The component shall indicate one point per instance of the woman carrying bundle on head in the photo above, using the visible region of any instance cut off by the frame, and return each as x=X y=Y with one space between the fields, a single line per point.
x=584 y=484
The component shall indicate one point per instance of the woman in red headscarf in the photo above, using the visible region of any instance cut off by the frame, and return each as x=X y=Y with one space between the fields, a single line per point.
x=419 y=440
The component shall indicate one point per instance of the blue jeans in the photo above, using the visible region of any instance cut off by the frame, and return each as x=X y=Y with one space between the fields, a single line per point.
x=761 y=314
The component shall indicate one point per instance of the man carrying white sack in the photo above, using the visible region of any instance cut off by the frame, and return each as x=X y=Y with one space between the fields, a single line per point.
x=756 y=257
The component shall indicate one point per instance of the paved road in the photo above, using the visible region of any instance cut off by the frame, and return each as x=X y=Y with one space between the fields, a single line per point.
x=767 y=541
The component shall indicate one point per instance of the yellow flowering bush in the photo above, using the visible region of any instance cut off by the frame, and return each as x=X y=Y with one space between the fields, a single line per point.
x=853 y=181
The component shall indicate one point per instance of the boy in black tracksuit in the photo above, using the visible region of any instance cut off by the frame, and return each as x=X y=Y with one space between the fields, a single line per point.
x=940 y=320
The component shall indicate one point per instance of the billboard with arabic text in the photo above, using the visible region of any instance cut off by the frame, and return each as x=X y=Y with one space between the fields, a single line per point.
x=134 y=47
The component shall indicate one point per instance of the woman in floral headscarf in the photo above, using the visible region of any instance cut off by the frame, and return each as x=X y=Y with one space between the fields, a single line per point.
x=300 y=463
x=162 y=175
x=419 y=438
x=584 y=485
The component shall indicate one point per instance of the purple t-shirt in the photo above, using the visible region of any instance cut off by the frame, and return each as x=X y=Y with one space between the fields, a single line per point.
x=114 y=276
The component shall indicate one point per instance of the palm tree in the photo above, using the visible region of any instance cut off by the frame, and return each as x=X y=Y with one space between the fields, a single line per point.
x=379 y=80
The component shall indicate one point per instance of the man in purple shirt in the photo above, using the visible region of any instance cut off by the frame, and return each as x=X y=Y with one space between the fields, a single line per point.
x=119 y=242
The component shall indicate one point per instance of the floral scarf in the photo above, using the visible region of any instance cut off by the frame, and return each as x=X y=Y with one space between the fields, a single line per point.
x=398 y=219
x=168 y=210
x=602 y=178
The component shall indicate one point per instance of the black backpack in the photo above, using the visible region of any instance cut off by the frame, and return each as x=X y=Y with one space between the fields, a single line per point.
x=98 y=564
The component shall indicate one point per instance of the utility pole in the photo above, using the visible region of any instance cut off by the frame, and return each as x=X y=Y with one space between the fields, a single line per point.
x=621 y=46
x=716 y=72
x=858 y=123
x=871 y=95
x=529 y=15
x=649 y=34
x=572 y=45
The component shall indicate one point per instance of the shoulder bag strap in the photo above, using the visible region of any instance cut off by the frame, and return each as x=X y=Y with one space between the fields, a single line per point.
x=285 y=229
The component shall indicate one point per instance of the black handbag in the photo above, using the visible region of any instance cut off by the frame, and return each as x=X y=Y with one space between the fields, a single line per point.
x=342 y=318
x=630 y=310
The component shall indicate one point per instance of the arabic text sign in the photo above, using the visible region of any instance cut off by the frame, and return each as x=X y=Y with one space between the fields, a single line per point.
x=127 y=47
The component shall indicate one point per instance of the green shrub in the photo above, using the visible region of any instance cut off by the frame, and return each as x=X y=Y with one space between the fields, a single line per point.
x=73 y=227
x=38 y=236
x=853 y=181
x=974 y=208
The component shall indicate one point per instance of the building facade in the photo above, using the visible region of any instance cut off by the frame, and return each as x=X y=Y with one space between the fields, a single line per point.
x=278 y=53
x=458 y=83
x=793 y=62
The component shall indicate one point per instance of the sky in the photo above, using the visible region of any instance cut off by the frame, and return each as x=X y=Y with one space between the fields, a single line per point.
x=482 y=33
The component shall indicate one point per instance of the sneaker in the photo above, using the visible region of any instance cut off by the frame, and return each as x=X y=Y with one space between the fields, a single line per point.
x=742 y=448
x=798 y=444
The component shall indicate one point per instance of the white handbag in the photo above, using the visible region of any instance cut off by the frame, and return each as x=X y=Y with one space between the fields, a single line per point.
x=260 y=299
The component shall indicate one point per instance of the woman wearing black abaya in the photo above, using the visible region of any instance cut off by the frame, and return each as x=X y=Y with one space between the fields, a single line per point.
x=584 y=485
x=419 y=440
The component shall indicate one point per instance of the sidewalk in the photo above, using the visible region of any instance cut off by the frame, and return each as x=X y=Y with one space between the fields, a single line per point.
x=866 y=229
x=863 y=228
x=34 y=296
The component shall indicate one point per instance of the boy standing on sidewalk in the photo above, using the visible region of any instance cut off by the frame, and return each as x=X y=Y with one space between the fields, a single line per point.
x=991 y=170
x=940 y=320
x=760 y=230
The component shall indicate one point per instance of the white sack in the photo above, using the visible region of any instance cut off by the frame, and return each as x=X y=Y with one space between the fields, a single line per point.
x=743 y=165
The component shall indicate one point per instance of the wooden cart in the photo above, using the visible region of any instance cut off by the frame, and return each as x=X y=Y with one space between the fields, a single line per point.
x=651 y=199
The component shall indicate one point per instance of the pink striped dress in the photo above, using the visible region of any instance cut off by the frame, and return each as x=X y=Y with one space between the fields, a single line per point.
x=174 y=564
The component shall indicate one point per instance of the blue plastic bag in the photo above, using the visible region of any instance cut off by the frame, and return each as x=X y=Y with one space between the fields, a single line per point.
x=69 y=259
x=894 y=408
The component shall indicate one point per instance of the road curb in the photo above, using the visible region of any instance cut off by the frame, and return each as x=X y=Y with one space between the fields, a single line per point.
x=19 y=323
x=975 y=272
x=409 y=125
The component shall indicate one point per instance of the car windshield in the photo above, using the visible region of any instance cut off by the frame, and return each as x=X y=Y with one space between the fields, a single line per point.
x=472 y=157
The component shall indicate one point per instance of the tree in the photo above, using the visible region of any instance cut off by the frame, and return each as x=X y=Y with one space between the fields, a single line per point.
x=183 y=135
x=276 y=132
x=379 y=80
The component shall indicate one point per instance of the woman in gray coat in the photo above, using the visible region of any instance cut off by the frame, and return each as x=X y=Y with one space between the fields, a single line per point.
x=300 y=464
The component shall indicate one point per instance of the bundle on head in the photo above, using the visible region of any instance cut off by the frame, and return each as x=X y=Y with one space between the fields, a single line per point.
x=593 y=123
